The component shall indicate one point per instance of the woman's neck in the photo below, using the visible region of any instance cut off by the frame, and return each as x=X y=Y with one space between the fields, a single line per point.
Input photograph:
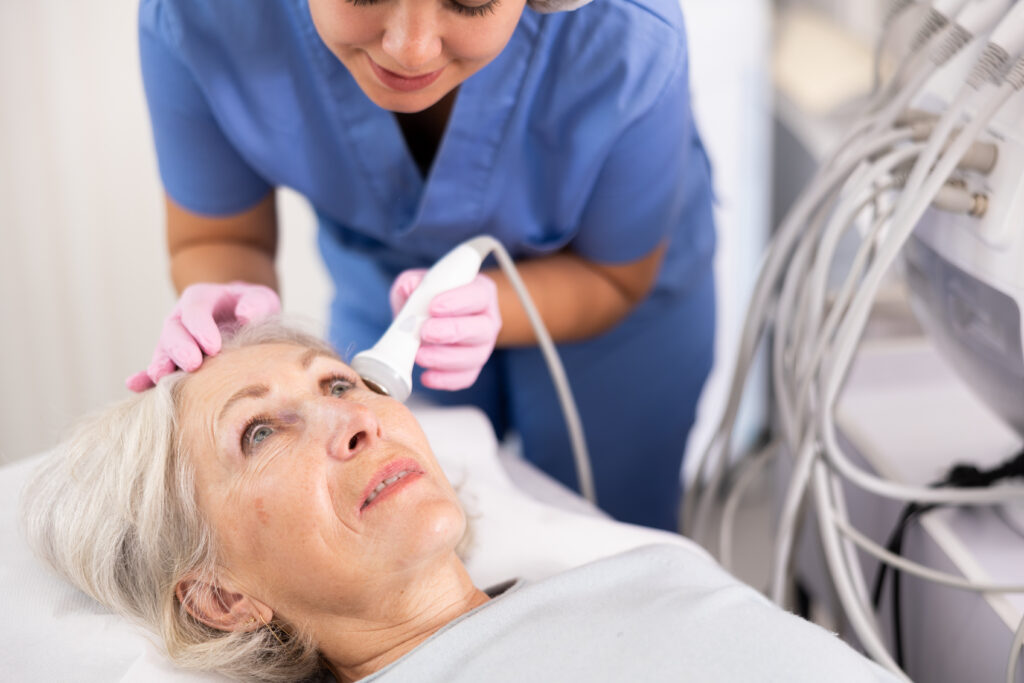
x=405 y=615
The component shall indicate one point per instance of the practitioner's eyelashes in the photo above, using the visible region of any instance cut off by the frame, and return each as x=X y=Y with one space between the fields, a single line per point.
x=467 y=10
x=475 y=10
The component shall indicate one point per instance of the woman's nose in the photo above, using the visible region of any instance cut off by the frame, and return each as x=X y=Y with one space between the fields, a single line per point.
x=412 y=38
x=355 y=429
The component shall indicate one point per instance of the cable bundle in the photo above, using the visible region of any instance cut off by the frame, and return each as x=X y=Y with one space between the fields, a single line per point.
x=891 y=167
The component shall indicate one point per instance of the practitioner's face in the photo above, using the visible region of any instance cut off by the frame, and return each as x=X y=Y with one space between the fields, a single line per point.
x=408 y=54
x=289 y=447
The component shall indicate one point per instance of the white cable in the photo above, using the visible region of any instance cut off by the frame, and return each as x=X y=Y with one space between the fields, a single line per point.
x=980 y=16
x=555 y=367
x=839 y=307
x=1011 y=663
x=917 y=569
x=843 y=220
x=915 y=70
x=948 y=8
x=1009 y=33
x=752 y=467
x=789 y=519
x=893 y=16
x=936 y=144
x=839 y=508
x=794 y=278
x=863 y=622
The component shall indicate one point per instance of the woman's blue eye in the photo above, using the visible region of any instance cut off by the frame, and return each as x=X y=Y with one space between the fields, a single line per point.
x=260 y=434
x=337 y=386
x=255 y=433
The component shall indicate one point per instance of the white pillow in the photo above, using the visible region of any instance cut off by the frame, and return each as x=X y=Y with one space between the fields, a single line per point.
x=52 y=632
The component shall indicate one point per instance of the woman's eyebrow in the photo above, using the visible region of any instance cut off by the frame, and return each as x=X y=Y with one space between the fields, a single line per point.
x=309 y=356
x=251 y=391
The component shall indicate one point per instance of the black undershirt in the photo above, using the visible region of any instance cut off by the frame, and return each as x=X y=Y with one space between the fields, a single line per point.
x=423 y=131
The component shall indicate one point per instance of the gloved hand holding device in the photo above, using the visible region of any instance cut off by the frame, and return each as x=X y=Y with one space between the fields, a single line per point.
x=459 y=336
x=191 y=330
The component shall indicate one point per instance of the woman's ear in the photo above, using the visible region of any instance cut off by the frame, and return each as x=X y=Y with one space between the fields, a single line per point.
x=220 y=608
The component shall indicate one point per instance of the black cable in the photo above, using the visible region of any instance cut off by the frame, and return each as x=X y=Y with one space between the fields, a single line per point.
x=960 y=476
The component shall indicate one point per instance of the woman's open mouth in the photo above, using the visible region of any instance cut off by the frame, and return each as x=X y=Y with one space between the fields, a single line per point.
x=389 y=480
x=403 y=83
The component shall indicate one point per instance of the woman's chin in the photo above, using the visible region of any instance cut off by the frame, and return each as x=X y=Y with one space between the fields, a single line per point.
x=404 y=103
x=434 y=529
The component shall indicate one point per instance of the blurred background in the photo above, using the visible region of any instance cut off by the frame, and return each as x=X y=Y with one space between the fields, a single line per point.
x=84 y=282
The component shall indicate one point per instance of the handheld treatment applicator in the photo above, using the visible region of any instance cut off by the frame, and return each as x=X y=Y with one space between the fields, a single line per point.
x=387 y=367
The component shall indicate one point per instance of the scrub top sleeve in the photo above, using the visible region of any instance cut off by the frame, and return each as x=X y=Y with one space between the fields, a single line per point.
x=200 y=169
x=640 y=191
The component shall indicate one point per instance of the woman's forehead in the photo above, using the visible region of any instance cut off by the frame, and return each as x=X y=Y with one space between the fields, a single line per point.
x=234 y=369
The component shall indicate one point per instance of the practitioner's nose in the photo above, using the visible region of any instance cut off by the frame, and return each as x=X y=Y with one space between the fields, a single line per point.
x=412 y=37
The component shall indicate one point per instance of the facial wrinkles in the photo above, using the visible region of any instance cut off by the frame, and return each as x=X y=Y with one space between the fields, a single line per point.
x=303 y=436
x=308 y=497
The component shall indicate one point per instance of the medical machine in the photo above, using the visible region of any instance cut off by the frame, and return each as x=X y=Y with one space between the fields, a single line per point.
x=927 y=183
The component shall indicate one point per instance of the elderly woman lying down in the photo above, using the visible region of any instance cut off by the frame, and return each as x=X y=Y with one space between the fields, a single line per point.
x=270 y=518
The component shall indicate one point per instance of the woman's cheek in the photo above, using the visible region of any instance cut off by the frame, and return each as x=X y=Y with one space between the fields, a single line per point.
x=342 y=26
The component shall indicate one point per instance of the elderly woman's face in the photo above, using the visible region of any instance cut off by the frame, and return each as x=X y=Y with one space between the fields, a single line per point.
x=408 y=54
x=317 y=488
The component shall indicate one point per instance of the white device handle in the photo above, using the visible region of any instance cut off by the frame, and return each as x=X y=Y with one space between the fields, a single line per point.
x=388 y=365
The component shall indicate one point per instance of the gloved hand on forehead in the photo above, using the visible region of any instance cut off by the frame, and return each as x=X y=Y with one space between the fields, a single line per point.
x=191 y=329
x=459 y=336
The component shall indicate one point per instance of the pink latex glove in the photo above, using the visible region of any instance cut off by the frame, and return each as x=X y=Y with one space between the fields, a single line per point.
x=459 y=336
x=191 y=328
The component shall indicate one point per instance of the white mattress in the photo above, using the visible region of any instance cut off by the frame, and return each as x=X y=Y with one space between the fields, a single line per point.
x=52 y=632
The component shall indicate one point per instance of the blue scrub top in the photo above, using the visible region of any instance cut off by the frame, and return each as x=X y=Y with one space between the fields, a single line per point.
x=579 y=135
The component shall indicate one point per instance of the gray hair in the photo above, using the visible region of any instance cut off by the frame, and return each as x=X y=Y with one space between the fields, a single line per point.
x=114 y=511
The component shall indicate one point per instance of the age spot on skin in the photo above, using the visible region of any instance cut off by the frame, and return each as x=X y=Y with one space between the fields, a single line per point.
x=261 y=513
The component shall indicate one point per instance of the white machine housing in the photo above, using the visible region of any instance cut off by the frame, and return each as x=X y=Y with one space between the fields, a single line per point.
x=966 y=274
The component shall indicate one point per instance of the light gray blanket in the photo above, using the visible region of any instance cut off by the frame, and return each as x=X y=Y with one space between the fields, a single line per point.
x=657 y=613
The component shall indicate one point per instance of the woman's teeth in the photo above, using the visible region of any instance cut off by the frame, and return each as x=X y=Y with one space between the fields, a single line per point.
x=384 y=484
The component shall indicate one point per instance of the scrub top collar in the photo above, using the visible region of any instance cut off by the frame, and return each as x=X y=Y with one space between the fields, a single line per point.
x=455 y=189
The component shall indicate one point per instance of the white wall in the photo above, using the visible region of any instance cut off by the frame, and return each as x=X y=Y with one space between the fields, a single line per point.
x=730 y=81
x=83 y=280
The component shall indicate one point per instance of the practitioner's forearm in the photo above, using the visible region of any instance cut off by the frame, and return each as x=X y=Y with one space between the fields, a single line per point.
x=576 y=298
